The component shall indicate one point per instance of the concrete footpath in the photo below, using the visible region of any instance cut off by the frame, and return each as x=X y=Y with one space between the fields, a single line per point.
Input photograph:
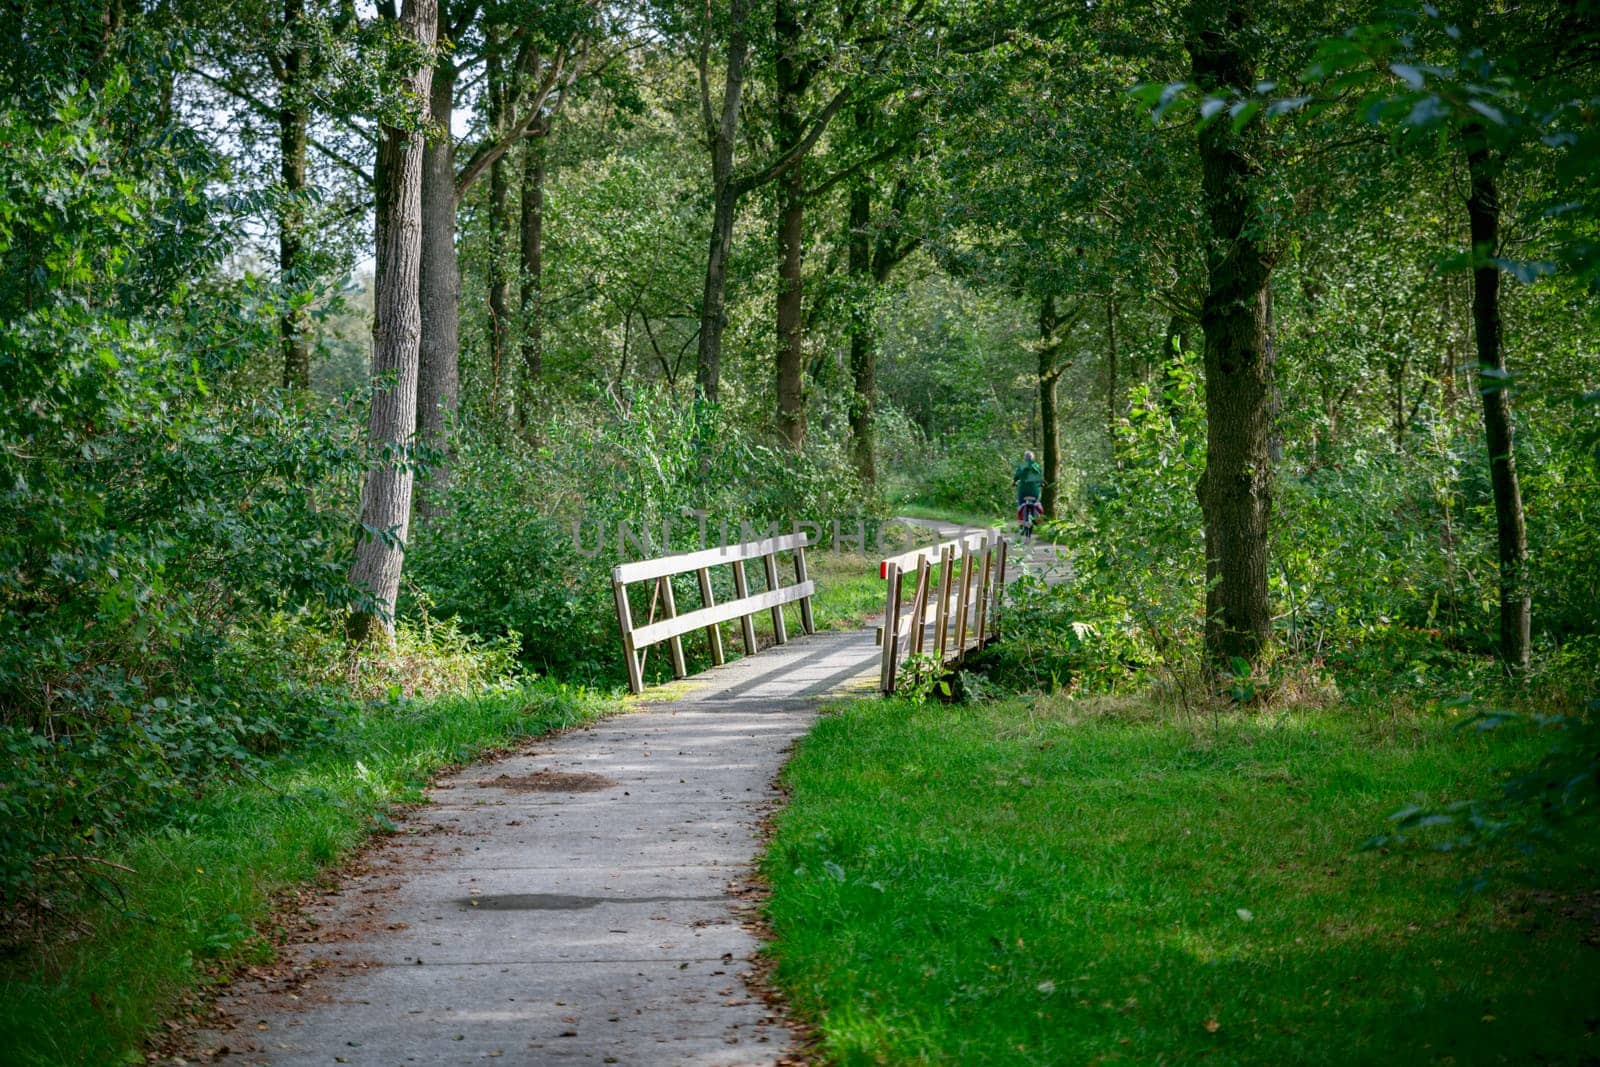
x=579 y=903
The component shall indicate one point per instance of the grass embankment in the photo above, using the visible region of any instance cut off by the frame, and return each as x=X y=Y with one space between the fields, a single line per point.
x=1008 y=883
x=849 y=591
x=198 y=895
x=953 y=516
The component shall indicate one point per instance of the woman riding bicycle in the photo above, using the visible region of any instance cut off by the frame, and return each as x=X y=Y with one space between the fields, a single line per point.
x=1029 y=480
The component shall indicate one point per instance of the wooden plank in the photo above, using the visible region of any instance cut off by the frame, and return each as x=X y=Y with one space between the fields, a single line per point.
x=947 y=566
x=625 y=623
x=699 y=620
x=747 y=625
x=963 y=609
x=891 y=632
x=972 y=542
x=919 y=608
x=683 y=562
x=807 y=623
x=714 y=631
x=780 y=633
x=930 y=617
x=984 y=588
x=1000 y=584
x=679 y=668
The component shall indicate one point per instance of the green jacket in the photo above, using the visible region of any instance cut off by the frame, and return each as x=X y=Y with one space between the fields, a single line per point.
x=1029 y=479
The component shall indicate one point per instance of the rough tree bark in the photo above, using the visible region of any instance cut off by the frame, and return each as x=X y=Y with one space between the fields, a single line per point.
x=727 y=188
x=873 y=253
x=725 y=192
x=293 y=323
x=1049 y=375
x=1235 y=491
x=438 y=382
x=531 y=252
x=791 y=77
x=1483 y=211
x=499 y=278
x=386 y=495
x=1111 y=371
x=863 y=336
x=443 y=188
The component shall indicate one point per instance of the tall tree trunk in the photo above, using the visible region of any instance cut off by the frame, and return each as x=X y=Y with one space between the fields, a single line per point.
x=531 y=306
x=438 y=383
x=499 y=278
x=791 y=335
x=1111 y=371
x=1049 y=375
x=1483 y=211
x=1235 y=491
x=293 y=322
x=386 y=496
x=723 y=128
x=791 y=85
x=863 y=334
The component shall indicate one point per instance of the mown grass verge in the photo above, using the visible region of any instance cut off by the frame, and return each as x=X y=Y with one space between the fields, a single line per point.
x=1016 y=883
x=197 y=894
x=976 y=519
x=849 y=591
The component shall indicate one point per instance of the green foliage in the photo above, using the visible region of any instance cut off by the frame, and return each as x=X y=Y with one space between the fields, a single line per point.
x=1131 y=611
x=1383 y=562
x=142 y=518
x=524 y=540
x=1530 y=806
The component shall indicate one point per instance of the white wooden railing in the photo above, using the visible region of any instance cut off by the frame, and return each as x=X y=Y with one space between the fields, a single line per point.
x=636 y=640
x=962 y=612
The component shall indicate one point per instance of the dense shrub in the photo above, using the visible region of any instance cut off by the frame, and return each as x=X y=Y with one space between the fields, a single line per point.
x=1134 y=602
x=1383 y=567
x=524 y=540
x=147 y=526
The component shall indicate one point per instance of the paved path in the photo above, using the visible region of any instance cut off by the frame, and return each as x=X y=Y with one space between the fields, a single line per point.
x=578 y=903
x=575 y=904
x=1038 y=557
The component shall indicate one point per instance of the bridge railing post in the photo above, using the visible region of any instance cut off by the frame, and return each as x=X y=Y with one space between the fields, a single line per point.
x=891 y=632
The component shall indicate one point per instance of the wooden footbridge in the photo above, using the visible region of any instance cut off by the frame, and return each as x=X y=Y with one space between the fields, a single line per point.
x=951 y=608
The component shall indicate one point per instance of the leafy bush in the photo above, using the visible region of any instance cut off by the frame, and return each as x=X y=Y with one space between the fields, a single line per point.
x=1131 y=611
x=523 y=540
x=145 y=524
x=1383 y=568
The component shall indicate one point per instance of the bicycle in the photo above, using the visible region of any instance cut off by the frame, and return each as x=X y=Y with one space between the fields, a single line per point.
x=1029 y=511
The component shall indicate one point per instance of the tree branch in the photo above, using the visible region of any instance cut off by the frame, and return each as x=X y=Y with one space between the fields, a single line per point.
x=704 y=65
x=270 y=111
x=489 y=151
x=854 y=169
x=798 y=150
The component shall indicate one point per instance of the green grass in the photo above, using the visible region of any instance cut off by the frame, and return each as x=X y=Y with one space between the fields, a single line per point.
x=1026 y=884
x=199 y=893
x=849 y=591
x=956 y=516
